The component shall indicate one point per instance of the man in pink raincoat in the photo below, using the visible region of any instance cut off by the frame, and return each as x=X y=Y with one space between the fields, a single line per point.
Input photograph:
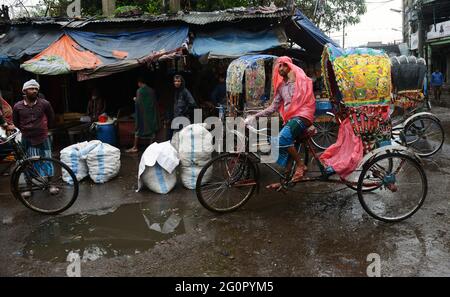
x=294 y=100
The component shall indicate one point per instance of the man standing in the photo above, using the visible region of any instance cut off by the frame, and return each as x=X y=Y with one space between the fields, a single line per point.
x=294 y=99
x=32 y=116
x=437 y=80
x=184 y=103
x=147 y=115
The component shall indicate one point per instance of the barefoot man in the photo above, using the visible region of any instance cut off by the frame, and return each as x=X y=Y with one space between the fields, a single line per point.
x=294 y=100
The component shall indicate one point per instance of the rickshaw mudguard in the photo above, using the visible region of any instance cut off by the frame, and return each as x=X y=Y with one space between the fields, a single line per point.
x=421 y=114
x=387 y=149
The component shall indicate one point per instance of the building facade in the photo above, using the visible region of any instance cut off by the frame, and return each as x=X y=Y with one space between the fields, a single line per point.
x=426 y=30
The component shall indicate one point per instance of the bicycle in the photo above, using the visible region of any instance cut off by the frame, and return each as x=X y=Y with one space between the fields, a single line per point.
x=44 y=185
x=390 y=182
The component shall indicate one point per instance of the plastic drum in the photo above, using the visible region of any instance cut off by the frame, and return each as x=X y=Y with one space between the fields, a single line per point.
x=106 y=132
x=323 y=106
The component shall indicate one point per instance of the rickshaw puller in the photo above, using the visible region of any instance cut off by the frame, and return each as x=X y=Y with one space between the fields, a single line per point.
x=294 y=100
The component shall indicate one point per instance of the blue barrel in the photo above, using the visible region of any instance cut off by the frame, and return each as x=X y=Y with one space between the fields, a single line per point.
x=106 y=132
x=323 y=106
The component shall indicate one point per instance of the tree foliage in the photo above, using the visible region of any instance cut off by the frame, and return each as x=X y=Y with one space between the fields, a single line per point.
x=57 y=8
x=335 y=12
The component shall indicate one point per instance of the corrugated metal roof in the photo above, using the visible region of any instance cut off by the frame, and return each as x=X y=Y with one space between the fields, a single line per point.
x=195 y=18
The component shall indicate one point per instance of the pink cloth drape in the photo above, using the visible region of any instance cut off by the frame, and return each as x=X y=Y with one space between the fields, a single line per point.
x=345 y=155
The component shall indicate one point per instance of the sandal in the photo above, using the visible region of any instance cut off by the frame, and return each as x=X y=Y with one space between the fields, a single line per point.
x=299 y=174
x=274 y=186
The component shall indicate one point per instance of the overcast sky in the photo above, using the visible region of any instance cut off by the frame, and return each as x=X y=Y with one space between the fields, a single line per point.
x=376 y=25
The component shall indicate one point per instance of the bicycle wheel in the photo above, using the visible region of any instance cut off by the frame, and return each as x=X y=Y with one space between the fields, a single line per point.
x=401 y=190
x=327 y=131
x=424 y=135
x=226 y=182
x=39 y=185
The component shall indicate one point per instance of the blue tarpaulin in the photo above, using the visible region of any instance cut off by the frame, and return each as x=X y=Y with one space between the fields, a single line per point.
x=123 y=51
x=131 y=45
x=20 y=42
x=7 y=62
x=308 y=35
x=233 y=42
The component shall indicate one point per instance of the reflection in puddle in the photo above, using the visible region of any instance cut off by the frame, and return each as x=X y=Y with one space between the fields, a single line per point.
x=129 y=229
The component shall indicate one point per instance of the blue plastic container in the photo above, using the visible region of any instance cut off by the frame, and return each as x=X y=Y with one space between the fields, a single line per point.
x=322 y=107
x=106 y=132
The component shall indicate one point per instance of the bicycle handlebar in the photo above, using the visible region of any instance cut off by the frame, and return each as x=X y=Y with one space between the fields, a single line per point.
x=256 y=130
x=10 y=137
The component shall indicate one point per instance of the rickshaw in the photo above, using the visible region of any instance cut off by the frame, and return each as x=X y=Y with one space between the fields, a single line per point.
x=412 y=120
x=413 y=123
x=388 y=178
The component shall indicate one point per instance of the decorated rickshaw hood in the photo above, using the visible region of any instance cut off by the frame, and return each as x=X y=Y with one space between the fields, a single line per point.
x=357 y=76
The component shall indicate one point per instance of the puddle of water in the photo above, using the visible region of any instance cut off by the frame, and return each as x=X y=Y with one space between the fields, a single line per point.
x=129 y=229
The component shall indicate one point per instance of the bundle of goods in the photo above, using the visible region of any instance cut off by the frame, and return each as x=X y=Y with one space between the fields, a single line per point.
x=157 y=168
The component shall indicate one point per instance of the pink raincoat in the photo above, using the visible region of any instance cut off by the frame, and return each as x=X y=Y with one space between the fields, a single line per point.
x=303 y=103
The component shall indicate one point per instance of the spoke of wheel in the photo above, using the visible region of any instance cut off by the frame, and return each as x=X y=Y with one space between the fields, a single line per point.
x=209 y=184
x=400 y=166
x=423 y=129
x=216 y=197
x=433 y=134
x=214 y=189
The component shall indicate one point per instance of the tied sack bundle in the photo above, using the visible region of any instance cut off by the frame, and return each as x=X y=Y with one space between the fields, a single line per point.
x=157 y=168
x=75 y=156
x=103 y=163
x=195 y=146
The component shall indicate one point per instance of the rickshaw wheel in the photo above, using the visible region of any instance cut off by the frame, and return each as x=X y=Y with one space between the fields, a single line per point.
x=327 y=132
x=401 y=187
x=424 y=135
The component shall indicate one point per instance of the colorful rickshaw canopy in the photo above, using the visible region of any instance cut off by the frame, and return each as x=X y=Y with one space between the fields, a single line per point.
x=357 y=76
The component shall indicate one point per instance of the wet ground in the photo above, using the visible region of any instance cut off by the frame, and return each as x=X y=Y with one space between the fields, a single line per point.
x=118 y=232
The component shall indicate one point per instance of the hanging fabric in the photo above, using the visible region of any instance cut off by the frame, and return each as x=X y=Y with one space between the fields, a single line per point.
x=255 y=79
